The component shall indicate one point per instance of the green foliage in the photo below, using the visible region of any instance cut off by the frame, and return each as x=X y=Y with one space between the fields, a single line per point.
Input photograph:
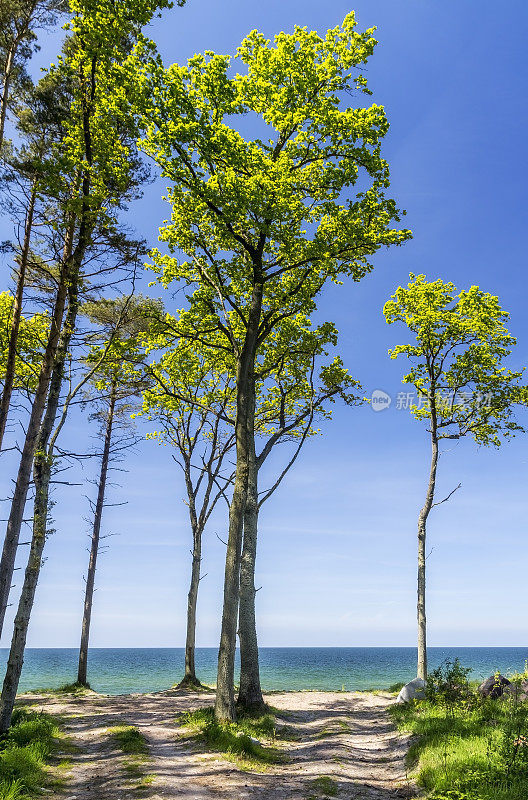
x=32 y=739
x=31 y=338
x=269 y=213
x=235 y=739
x=448 y=684
x=471 y=750
x=122 y=326
x=461 y=343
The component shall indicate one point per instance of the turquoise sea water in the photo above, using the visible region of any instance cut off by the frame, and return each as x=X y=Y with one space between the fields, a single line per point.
x=123 y=671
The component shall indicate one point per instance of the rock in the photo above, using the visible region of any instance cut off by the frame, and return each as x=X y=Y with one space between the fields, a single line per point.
x=493 y=686
x=414 y=690
x=517 y=691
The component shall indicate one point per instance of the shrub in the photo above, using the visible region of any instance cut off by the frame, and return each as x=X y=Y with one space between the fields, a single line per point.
x=448 y=685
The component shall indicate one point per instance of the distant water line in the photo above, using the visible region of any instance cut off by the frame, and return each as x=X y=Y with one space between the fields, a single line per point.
x=129 y=670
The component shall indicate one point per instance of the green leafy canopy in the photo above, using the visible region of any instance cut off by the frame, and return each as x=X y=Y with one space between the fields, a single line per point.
x=461 y=343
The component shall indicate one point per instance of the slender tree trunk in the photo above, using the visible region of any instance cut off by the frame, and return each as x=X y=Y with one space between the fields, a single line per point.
x=94 y=549
x=42 y=465
x=422 y=525
x=8 y=71
x=250 y=694
x=17 y=313
x=225 y=709
x=70 y=271
x=190 y=679
x=41 y=475
x=18 y=502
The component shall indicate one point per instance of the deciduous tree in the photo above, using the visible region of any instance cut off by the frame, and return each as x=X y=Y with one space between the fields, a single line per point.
x=266 y=221
x=464 y=388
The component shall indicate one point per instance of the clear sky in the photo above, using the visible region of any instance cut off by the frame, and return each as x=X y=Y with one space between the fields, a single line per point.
x=337 y=547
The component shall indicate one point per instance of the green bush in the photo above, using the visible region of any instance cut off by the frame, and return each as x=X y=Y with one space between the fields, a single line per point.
x=448 y=684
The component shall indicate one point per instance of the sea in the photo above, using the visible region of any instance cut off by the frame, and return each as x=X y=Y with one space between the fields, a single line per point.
x=126 y=671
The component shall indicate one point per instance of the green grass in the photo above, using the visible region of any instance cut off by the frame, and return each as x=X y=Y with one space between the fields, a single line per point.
x=76 y=689
x=130 y=740
x=395 y=688
x=134 y=745
x=459 y=754
x=26 y=754
x=324 y=786
x=236 y=740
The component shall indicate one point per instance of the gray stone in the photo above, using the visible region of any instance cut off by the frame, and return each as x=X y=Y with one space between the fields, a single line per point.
x=493 y=686
x=414 y=690
x=519 y=691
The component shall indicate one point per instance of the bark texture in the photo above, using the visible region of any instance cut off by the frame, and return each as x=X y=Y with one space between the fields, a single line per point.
x=250 y=693
x=94 y=547
x=225 y=709
x=8 y=71
x=42 y=466
x=17 y=313
x=190 y=678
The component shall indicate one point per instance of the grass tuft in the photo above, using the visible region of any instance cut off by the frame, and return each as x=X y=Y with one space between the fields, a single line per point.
x=239 y=740
x=25 y=754
x=129 y=739
x=324 y=786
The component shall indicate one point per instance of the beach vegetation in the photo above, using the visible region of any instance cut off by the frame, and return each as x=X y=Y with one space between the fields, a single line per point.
x=239 y=741
x=323 y=786
x=28 y=755
x=129 y=739
x=464 y=746
x=134 y=745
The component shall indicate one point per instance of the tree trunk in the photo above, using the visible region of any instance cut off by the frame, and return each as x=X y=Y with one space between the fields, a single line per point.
x=5 y=90
x=17 y=313
x=18 y=502
x=422 y=525
x=94 y=549
x=245 y=443
x=190 y=679
x=41 y=476
x=70 y=271
x=250 y=693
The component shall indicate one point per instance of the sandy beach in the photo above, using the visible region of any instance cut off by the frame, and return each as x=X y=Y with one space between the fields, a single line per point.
x=340 y=743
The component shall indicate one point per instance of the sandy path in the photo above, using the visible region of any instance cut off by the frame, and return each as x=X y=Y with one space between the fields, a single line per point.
x=345 y=736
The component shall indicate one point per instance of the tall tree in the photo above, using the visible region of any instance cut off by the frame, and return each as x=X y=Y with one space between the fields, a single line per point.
x=39 y=123
x=19 y=22
x=296 y=394
x=99 y=149
x=191 y=400
x=265 y=223
x=118 y=388
x=463 y=387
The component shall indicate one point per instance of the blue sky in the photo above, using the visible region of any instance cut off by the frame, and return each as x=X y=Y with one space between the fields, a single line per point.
x=337 y=542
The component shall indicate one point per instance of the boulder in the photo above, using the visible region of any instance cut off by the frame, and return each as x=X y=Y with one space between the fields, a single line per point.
x=414 y=690
x=493 y=686
x=519 y=691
